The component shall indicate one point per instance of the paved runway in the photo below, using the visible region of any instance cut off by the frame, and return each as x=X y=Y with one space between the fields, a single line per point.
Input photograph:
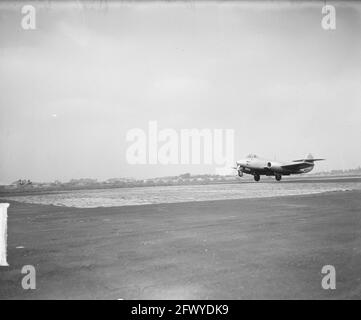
x=270 y=248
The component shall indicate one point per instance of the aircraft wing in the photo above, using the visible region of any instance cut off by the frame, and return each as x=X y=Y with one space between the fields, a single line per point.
x=300 y=164
x=296 y=166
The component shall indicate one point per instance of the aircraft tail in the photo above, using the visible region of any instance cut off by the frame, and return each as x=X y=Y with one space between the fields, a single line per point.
x=308 y=158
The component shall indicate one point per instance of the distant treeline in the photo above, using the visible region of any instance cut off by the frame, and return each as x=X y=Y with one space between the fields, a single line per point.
x=356 y=171
x=78 y=184
x=27 y=186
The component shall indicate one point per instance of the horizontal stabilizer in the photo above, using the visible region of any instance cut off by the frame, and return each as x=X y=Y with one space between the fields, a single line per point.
x=307 y=160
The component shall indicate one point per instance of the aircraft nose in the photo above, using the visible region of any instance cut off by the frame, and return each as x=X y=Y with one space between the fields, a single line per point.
x=241 y=163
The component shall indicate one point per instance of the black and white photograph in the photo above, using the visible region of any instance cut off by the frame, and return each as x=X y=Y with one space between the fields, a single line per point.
x=180 y=151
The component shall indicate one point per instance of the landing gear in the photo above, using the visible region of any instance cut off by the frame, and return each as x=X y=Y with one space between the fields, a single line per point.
x=278 y=177
x=256 y=177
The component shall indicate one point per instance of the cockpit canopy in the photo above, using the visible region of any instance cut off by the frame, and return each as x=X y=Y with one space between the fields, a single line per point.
x=252 y=156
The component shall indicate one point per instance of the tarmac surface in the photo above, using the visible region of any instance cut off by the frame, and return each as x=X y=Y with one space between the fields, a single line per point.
x=270 y=248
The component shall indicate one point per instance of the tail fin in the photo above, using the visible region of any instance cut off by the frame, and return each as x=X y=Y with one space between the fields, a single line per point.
x=309 y=158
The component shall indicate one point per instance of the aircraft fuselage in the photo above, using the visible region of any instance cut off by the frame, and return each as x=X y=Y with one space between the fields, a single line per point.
x=257 y=166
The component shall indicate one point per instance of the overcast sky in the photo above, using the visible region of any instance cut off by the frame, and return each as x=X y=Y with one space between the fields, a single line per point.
x=71 y=89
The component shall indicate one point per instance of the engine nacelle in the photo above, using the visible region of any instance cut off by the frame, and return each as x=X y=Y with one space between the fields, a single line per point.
x=274 y=167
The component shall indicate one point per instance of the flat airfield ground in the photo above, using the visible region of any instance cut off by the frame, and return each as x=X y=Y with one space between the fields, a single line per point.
x=269 y=248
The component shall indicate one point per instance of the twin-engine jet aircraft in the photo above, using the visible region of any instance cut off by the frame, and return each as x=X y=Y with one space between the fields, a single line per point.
x=258 y=166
